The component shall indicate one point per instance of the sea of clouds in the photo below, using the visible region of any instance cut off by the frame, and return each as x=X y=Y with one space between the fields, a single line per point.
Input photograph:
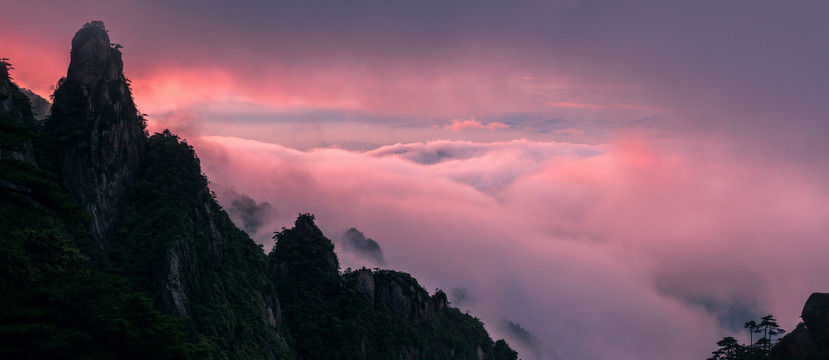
x=638 y=249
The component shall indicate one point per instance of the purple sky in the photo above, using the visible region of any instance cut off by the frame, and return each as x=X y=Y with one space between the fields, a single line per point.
x=603 y=173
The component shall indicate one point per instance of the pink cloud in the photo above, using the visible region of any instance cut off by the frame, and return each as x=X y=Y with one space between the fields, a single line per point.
x=460 y=125
x=38 y=62
x=430 y=93
x=572 y=105
x=614 y=244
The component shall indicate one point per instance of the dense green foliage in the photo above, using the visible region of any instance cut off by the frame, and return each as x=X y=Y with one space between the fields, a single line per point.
x=341 y=316
x=502 y=351
x=308 y=282
x=54 y=304
x=173 y=220
x=88 y=315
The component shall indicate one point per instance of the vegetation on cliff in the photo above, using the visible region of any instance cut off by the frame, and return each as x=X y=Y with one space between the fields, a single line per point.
x=365 y=314
x=176 y=244
x=766 y=333
x=55 y=304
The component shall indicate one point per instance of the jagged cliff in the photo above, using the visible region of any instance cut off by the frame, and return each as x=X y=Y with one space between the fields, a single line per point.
x=151 y=214
x=95 y=133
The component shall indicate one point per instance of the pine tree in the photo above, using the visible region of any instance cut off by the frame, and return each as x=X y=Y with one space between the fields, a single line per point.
x=729 y=349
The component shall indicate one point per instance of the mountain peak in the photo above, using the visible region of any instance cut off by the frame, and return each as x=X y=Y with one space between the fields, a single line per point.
x=93 y=56
x=98 y=133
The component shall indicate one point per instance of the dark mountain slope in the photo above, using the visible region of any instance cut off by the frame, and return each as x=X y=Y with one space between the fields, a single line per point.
x=366 y=314
x=54 y=304
x=176 y=243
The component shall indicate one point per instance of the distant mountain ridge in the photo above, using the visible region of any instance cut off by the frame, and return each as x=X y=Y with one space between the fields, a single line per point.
x=113 y=246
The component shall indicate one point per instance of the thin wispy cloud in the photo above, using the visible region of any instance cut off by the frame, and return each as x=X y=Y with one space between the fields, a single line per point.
x=570 y=131
x=466 y=124
x=572 y=105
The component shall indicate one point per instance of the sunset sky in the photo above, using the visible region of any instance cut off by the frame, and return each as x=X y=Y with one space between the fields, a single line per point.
x=625 y=180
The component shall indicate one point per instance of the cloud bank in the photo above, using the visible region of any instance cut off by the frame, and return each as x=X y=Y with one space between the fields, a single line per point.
x=600 y=251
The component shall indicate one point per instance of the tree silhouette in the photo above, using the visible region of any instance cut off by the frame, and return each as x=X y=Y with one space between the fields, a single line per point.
x=770 y=329
x=729 y=349
x=752 y=328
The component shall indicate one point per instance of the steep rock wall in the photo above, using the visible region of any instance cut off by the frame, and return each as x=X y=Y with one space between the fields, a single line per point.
x=96 y=133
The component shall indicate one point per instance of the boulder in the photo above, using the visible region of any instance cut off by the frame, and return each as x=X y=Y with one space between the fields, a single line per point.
x=810 y=340
x=816 y=317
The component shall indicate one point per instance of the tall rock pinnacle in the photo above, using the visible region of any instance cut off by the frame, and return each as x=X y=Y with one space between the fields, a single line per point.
x=99 y=136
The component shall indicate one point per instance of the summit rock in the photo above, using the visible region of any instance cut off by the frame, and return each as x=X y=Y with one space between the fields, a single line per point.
x=98 y=136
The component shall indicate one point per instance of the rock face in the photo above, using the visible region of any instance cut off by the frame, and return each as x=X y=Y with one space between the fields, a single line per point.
x=816 y=317
x=401 y=295
x=97 y=132
x=810 y=340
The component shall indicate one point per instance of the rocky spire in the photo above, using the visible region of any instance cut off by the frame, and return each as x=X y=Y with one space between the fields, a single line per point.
x=99 y=136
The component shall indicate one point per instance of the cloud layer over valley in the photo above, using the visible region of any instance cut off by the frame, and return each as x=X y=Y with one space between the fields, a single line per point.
x=590 y=248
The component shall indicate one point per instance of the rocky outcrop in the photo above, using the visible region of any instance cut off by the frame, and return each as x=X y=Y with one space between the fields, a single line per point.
x=365 y=284
x=96 y=131
x=810 y=340
x=399 y=293
x=170 y=280
x=816 y=317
